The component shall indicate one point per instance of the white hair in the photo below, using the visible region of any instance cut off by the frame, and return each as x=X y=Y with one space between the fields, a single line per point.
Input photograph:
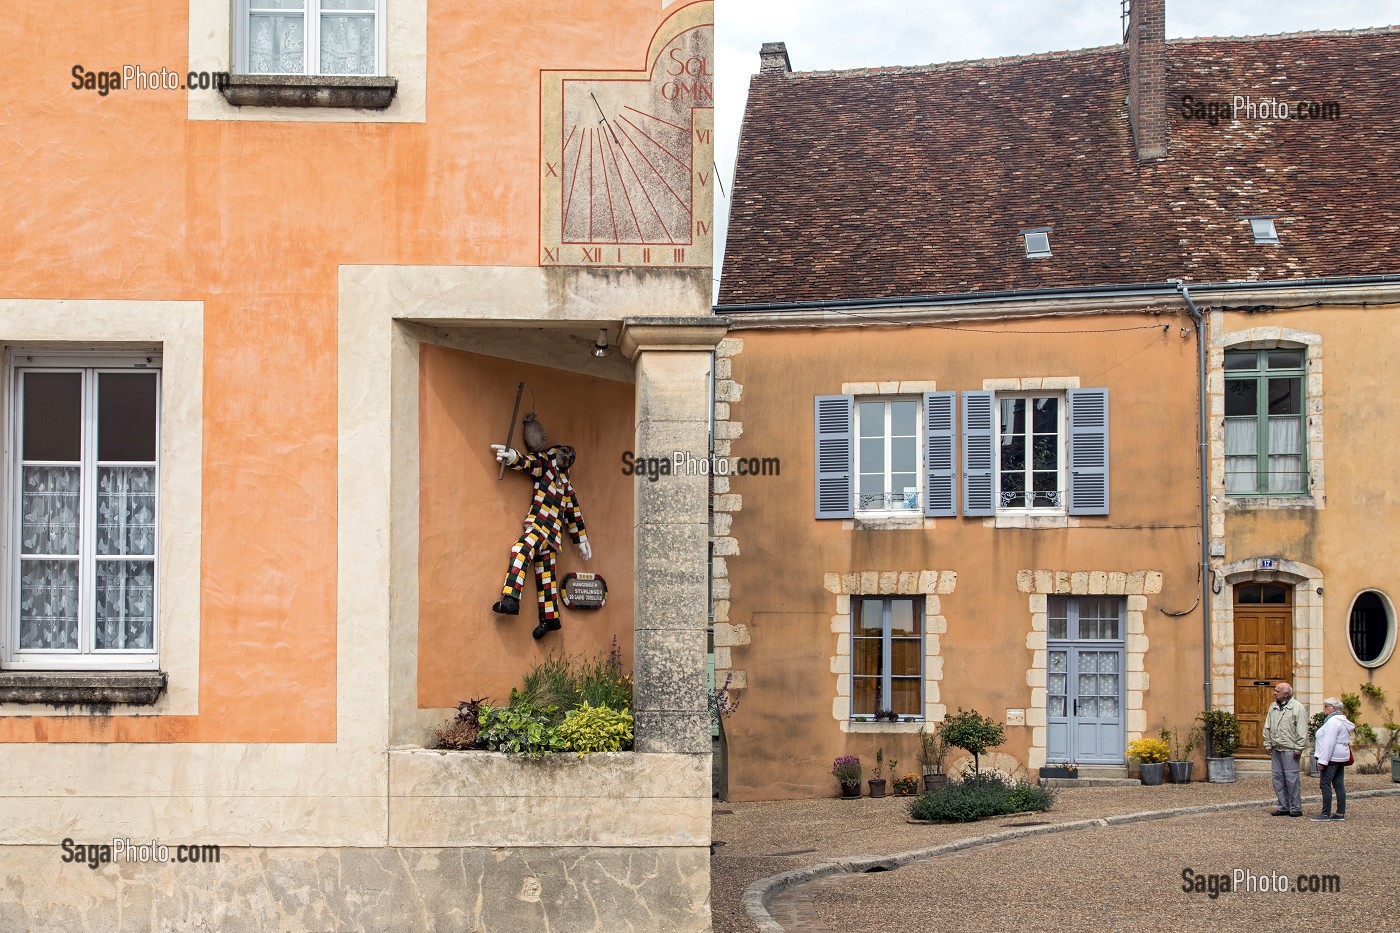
x=1332 y=702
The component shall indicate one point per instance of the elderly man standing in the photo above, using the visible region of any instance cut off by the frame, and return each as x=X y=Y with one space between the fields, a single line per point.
x=1285 y=737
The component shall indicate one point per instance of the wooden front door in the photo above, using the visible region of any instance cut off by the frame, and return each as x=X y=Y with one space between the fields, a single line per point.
x=1263 y=657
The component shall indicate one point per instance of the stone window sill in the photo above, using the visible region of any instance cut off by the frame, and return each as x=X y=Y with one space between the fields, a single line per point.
x=357 y=92
x=869 y=726
x=89 y=688
x=1249 y=503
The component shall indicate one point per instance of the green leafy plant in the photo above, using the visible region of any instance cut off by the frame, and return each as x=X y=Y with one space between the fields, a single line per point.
x=464 y=729
x=521 y=728
x=1181 y=743
x=1148 y=750
x=879 y=765
x=1222 y=731
x=596 y=729
x=972 y=732
x=601 y=681
x=566 y=682
x=931 y=749
x=1382 y=744
x=979 y=796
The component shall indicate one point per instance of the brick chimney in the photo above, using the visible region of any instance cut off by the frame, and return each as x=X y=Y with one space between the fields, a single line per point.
x=773 y=59
x=1147 y=76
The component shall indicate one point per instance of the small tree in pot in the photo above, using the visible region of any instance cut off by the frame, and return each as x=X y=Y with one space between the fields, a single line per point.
x=1222 y=738
x=972 y=732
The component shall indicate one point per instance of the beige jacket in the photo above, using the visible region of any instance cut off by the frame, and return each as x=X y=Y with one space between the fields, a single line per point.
x=1286 y=728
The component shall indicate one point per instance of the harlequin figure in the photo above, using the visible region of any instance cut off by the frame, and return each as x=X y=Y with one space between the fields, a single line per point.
x=554 y=508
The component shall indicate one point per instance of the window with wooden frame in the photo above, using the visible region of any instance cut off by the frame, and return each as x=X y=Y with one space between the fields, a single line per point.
x=83 y=512
x=1265 y=422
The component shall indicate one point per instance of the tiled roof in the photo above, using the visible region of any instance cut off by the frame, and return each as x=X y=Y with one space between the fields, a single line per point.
x=882 y=183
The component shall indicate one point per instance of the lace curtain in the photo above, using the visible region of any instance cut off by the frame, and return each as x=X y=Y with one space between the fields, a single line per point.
x=277 y=39
x=48 y=599
x=1285 y=459
x=125 y=589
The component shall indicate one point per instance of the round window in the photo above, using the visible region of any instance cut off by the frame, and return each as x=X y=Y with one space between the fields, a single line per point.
x=1371 y=628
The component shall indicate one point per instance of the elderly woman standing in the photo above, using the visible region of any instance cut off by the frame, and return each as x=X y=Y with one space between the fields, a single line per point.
x=1333 y=752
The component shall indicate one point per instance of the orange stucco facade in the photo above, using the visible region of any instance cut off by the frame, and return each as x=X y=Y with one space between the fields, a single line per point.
x=793 y=718
x=120 y=197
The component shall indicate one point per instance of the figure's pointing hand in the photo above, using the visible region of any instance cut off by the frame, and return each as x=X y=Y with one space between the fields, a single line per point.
x=505 y=454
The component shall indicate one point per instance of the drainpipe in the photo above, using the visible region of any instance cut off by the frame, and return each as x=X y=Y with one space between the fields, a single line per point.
x=1203 y=438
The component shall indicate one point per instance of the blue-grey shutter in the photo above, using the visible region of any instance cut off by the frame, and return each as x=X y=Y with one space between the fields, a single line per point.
x=1088 y=451
x=979 y=449
x=835 y=456
x=940 y=454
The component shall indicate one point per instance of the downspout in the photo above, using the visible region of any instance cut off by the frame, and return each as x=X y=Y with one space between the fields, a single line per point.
x=1204 y=451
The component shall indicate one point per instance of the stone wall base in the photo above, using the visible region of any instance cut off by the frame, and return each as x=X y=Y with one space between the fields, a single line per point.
x=300 y=890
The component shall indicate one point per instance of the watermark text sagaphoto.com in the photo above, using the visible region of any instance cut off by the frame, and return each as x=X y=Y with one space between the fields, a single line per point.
x=134 y=77
x=96 y=854
x=1245 y=107
x=685 y=463
x=1247 y=881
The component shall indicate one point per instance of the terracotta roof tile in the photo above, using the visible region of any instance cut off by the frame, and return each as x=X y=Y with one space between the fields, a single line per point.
x=917 y=181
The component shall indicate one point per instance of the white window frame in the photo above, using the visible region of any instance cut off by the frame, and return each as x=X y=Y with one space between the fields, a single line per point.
x=886 y=653
x=1062 y=446
x=311 y=52
x=919 y=468
x=85 y=657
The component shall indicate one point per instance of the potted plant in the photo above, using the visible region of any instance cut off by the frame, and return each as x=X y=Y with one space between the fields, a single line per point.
x=846 y=769
x=877 y=783
x=1222 y=731
x=931 y=752
x=972 y=732
x=908 y=785
x=1060 y=769
x=1182 y=744
x=1151 y=755
x=886 y=715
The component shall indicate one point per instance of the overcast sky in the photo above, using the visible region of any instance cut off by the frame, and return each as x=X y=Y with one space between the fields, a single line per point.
x=828 y=34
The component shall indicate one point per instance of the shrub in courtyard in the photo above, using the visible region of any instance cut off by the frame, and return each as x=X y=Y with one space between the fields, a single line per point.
x=979 y=796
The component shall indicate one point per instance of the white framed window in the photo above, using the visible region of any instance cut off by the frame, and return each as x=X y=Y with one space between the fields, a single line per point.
x=887 y=455
x=309 y=37
x=83 y=512
x=887 y=657
x=1030 y=451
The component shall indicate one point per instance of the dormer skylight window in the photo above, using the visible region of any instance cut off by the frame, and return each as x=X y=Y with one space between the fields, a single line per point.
x=1037 y=242
x=1264 y=230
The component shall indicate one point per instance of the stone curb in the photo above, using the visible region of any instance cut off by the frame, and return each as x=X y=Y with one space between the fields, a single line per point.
x=759 y=893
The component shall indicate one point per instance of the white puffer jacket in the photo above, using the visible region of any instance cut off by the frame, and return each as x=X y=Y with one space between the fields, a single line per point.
x=1333 y=740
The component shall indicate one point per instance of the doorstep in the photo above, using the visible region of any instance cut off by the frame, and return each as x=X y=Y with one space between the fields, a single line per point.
x=1095 y=776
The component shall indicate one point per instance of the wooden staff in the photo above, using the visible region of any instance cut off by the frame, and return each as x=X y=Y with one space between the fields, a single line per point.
x=510 y=432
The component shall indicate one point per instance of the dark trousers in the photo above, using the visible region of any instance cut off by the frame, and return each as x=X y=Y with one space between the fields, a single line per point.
x=1332 y=776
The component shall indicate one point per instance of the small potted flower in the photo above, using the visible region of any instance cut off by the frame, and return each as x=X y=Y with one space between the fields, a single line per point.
x=846 y=770
x=1182 y=743
x=908 y=785
x=1151 y=755
x=1060 y=769
x=877 y=783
